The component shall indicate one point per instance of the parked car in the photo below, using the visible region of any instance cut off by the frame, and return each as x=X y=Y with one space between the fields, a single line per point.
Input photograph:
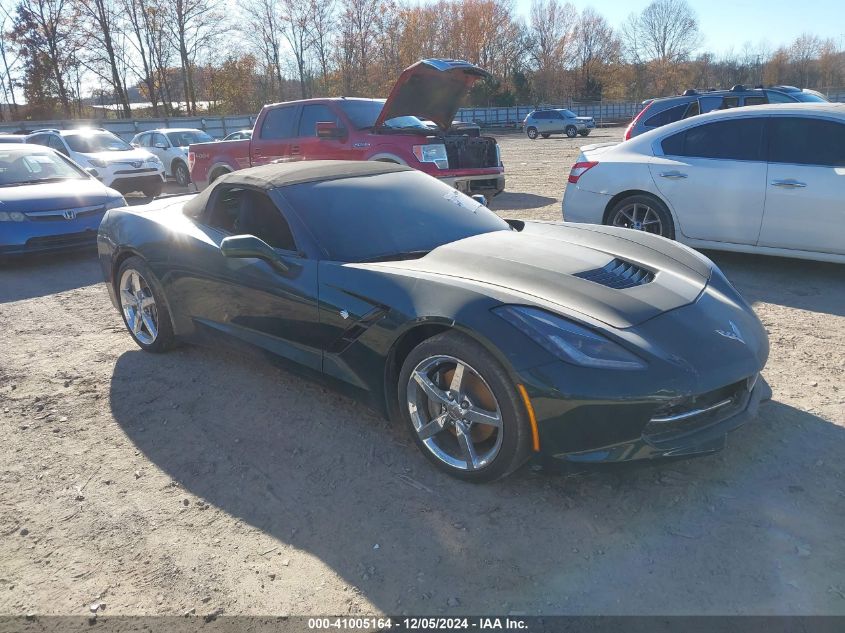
x=658 y=112
x=371 y=129
x=12 y=138
x=47 y=202
x=557 y=121
x=765 y=179
x=170 y=145
x=108 y=157
x=240 y=135
x=491 y=340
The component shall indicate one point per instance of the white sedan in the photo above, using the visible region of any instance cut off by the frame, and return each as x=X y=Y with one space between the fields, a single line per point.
x=764 y=179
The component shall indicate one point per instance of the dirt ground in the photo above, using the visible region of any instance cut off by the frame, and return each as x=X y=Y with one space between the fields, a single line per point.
x=205 y=481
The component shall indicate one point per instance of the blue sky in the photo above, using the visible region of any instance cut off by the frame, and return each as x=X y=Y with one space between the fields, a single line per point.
x=729 y=24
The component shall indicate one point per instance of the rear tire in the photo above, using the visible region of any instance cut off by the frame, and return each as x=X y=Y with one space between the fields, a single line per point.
x=571 y=131
x=642 y=212
x=546 y=135
x=477 y=419
x=143 y=307
x=532 y=133
x=584 y=132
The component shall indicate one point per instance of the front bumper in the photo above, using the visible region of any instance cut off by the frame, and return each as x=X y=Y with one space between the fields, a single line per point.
x=703 y=432
x=486 y=184
x=21 y=238
x=126 y=178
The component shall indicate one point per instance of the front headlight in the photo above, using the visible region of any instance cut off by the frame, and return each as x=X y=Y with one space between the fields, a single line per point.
x=432 y=153
x=154 y=160
x=568 y=341
x=12 y=216
x=96 y=162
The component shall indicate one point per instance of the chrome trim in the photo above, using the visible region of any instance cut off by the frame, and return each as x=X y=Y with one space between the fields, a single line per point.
x=60 y=213
x=694 y=412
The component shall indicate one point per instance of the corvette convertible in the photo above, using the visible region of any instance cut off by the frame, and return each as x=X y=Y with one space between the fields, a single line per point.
x=493 y=340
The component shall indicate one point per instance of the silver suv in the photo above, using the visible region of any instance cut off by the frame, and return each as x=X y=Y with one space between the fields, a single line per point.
x=659 y=112
x=558 y=121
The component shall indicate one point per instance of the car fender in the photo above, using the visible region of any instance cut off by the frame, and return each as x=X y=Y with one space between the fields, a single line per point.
x=388 y=157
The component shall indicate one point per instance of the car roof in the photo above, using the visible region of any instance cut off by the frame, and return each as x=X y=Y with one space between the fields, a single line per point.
x=267 y=177
x=26 y=148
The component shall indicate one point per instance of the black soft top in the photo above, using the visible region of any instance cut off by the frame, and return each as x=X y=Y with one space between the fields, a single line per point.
x=275 y=175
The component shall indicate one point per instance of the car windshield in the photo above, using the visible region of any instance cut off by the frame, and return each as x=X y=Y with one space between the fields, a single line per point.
x=91 y=142
x=415 y=214
x=364 y=112
x=27 y=168
x=183 y=138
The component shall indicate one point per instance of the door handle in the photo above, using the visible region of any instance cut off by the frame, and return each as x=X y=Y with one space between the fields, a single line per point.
x=788 y=184
x=674 y=175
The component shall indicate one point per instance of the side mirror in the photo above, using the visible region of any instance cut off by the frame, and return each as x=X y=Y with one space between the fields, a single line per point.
x=92 y=172
x=327 y=129
x=243 y=246
x=482 y=200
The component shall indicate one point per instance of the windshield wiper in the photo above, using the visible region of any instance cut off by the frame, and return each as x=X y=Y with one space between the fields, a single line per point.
x=388 y=257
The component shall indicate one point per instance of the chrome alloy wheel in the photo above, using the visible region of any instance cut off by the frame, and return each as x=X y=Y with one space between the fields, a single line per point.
x=454 y=413
x=139 y=307
x=640 y=217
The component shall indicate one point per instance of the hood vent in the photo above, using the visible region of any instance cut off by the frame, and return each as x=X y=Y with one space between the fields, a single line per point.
x=618 y=274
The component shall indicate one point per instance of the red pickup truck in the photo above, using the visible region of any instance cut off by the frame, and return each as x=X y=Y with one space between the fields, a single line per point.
x=397 y=130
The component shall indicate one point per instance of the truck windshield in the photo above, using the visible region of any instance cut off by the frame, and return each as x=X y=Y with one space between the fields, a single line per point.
x=414 y=213
x=364 y=112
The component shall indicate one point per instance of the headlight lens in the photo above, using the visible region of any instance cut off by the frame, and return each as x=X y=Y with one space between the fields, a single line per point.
x=432 y=153
x=568 y=341
x=97 y=162
x=154 y=160
x=12 y=216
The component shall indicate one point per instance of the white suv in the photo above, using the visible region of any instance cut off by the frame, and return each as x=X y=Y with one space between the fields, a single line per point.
x=171 y=147
x=760 y=179
x=107 y=157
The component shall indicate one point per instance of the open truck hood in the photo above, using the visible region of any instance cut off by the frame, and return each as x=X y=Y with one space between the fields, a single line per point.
x=431 y=89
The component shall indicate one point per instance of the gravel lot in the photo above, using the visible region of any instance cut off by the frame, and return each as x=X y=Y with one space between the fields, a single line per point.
x=194 y=480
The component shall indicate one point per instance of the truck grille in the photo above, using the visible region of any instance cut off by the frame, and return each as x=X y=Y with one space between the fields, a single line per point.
x=618 y=274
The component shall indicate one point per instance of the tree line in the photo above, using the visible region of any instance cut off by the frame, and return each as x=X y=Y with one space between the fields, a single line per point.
x=188 y=56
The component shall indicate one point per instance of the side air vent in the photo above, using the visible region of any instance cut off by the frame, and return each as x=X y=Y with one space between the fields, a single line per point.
x=618 y=274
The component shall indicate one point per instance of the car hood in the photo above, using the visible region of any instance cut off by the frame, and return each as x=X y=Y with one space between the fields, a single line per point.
x=545 y=264
x=431 y=89
x=67 y=194
x=121 y=156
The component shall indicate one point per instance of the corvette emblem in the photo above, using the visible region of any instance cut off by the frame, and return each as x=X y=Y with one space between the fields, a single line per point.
x=136 y=164
x=734 y=333
x=69 y=214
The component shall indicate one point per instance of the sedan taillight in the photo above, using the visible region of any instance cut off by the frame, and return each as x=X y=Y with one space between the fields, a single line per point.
x=630 y=129
x=579 y=169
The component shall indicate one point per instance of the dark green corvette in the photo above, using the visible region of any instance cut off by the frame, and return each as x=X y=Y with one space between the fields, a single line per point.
x=493 y=340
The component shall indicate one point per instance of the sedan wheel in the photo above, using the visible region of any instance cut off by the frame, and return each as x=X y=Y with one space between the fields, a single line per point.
x=571 y=131
x=639 y=216
x=462 y=409
x=532 y=133
x=183 y=177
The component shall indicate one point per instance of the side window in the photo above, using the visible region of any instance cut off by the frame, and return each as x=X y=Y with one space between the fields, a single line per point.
x=707 y=104
x=38 y=139
x=555 y=115
x=158 y=139
x=739 y=139
x=278 y=123
x=313 y=114
x=729 y=102
x=805 y=141
x=692 y=110
x=749 y=101
x=669 y=115
x=778 y=97
x=57 y=144
x=247 y=212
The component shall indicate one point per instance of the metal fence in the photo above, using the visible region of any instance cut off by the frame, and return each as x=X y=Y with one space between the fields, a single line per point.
x=602 y=111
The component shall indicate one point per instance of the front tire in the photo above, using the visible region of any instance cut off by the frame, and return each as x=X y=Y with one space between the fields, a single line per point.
x=181 y=173
x=153 y=191
x=571 y=131
x=532 y=133
x=462 y=409
x=547 y=135
x=142 y=306
x=584 y=132
x=642 y=212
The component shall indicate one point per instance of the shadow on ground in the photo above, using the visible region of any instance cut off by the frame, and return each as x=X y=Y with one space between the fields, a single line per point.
x=515 y=201
x=744 y=531
x=40 y=275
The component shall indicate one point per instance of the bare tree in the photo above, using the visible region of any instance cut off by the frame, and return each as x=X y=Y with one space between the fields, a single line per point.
x=296 y=25
x=262 y=25
x=323 y=30
x=552 y=27
x=666 y=31
x=7 y=78
x=597 y=48
x=193 y=24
